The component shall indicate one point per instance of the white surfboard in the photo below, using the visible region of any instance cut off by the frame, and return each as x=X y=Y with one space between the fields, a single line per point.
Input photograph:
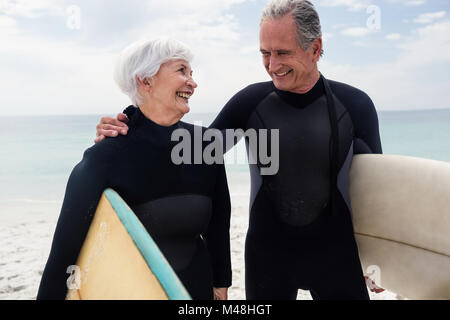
x=401 y=216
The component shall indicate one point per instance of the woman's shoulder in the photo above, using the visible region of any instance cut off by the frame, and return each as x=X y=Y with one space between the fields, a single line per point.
x=106 y=150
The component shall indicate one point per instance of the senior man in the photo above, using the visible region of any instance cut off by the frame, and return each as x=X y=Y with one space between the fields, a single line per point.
x=300 y=231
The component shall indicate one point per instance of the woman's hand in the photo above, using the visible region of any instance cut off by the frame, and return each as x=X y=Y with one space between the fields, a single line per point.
x=111 y=127
x=220 y=293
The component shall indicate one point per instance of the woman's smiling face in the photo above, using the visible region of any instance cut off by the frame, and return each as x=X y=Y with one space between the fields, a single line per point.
x=173 y=85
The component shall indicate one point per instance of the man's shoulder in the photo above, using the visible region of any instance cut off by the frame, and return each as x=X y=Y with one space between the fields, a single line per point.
x=346 y=90
x=363 y=114
x=265 y=85
x=256 y=91
x=238 y=109
x=349 y=94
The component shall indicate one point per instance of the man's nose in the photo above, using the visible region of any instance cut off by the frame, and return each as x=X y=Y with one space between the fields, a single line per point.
x=273 y=64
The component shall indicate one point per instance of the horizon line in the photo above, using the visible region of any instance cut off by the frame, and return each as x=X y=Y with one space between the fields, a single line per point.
x=190 y=113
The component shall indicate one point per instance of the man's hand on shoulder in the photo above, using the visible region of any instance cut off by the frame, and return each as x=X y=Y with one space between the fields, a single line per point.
x=111 y=127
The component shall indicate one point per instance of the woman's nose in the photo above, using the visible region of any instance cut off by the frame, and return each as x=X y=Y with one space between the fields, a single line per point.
x=192 y=83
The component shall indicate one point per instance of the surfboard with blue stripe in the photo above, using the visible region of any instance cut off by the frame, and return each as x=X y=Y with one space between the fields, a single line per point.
x=120 y=260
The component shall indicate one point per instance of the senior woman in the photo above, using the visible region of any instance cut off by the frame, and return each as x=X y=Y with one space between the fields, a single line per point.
x=186 y=207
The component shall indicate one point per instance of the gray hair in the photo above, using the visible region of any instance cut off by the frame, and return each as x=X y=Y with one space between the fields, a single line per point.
x=305 y=16
x=143 y=59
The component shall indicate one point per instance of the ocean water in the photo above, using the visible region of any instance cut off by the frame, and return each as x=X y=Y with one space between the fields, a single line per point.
x=423 y=134
x=37 y=153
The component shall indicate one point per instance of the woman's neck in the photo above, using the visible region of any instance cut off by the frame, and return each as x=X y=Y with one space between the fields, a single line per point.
x=159 y=116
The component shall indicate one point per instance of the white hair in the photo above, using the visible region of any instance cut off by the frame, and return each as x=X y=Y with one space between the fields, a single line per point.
x=143 y=59
x=305 y=16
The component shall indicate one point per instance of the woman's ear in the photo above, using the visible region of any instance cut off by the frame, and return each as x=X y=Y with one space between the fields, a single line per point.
x=144 y=84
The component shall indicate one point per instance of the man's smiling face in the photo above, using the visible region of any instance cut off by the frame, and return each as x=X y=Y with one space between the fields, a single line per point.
x=289 y=66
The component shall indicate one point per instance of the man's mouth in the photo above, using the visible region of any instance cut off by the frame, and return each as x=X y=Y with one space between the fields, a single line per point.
x=282 y=74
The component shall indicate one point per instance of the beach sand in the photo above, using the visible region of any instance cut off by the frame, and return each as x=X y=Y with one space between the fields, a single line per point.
x=24 y=248
x=25 y=244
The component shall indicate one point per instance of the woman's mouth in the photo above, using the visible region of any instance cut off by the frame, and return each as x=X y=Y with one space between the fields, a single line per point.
x=184 y=94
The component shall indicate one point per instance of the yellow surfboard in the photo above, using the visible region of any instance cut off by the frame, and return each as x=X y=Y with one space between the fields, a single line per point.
x=120 y=261
x=401 y=216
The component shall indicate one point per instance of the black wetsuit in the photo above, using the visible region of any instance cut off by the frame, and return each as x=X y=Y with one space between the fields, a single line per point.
x=185 y=208
x=300 y=231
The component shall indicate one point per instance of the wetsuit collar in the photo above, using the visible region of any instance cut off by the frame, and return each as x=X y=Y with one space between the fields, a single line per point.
x=136 y=118
x=302 y=100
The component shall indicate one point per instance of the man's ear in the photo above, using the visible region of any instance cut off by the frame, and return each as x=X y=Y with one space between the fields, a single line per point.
x=316 y=48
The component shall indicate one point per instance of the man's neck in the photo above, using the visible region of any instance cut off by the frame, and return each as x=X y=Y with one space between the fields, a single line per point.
x=308 y=84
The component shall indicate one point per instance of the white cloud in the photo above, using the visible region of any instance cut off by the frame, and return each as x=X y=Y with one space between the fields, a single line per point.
x=408 y=3
x=393 y=36
x=74 y=76
x=413 y=3
x=7 y=23
x=339 y=26
x=200 y=7
x=357 y=32
x=409 y=81
x=425 y=18
x=8 y=29
x=358 y=5
x=31 y=8
x=431 y=45
x=352 y=5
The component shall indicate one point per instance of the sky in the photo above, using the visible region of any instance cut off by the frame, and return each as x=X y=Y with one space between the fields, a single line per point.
x=58 y=56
